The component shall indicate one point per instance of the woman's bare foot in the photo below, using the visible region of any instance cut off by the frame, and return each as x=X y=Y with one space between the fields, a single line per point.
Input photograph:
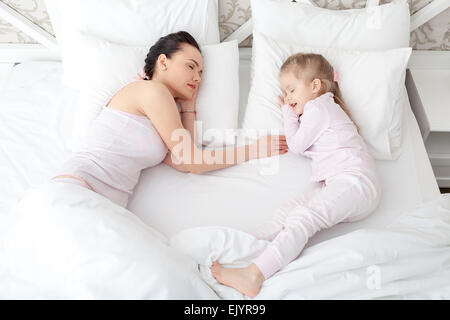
x=247 y=281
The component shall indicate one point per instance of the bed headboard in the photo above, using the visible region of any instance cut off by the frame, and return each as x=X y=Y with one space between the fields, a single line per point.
x=47 y=47
x=419 y=18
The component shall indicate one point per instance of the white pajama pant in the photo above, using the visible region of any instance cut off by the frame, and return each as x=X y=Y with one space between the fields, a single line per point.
x=346 y=197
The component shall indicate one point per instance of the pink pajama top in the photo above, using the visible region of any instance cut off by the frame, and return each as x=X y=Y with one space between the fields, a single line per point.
x=328 y=136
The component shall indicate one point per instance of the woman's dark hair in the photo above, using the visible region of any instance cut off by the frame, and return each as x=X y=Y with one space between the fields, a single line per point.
x=167 y=45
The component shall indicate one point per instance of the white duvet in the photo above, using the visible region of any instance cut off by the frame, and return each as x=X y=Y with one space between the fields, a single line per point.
x=67 y=242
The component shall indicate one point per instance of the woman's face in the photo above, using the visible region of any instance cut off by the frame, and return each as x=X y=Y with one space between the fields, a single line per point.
x=183 y=72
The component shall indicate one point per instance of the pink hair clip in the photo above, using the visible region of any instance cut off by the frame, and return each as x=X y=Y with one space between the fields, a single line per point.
x=141 y=75
x=336 y=76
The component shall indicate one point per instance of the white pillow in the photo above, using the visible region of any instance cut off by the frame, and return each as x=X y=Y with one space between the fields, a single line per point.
x=372 y=28
x=137 y=22
x=371 y=84
x=107 y=66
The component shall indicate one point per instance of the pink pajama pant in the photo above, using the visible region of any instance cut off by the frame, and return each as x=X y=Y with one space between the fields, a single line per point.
x=346 y=197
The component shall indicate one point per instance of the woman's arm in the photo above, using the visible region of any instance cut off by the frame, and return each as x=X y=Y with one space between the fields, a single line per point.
x=158 y=104
x=188 y=121
x=188 y=115
x=168 y=160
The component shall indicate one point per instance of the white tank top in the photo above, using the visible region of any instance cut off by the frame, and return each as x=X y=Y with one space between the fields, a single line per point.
x=118 y=146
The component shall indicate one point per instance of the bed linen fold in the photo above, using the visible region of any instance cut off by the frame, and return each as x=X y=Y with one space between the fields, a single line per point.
x=407 y=259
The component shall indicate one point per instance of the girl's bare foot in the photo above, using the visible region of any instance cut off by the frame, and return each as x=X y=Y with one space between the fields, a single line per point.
x=247 y=281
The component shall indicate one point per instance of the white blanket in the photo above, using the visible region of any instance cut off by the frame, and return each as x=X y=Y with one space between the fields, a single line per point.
x=409 y=259
x=67 y=242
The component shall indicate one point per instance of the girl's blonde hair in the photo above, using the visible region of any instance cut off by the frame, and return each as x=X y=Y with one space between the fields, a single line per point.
x=310 y=66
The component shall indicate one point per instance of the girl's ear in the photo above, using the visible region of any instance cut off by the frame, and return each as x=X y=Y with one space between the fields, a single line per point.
x=316 y=85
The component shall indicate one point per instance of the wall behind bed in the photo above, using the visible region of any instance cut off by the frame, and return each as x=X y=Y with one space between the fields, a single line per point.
x=433 y=35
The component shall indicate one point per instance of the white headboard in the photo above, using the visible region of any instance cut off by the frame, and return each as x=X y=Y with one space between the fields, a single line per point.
x=47 y=49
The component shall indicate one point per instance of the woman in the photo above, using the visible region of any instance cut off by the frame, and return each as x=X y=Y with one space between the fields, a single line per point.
x=141 y=123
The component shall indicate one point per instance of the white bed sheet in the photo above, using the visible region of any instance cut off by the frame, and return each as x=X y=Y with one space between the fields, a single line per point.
x=35 y=124
x=240 y=197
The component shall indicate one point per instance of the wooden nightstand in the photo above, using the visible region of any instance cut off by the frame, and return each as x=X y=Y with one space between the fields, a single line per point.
x=433 y=88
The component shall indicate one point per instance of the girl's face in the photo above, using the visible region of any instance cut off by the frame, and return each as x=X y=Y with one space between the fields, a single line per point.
x=183 y=72
x=297 y=92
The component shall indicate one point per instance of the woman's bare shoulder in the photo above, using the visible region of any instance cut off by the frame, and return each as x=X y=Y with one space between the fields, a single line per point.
x=139 y=89
x=151 y=93
x=139 y=94
x=148 y=87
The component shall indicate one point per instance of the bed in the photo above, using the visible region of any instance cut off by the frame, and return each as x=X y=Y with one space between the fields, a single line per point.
x=368 y=259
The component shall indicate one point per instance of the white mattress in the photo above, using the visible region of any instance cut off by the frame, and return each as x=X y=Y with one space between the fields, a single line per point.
x=35 y=123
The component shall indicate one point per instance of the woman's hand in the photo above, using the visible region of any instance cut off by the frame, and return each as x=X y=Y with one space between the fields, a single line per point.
x=188 y=105
x=268 y=146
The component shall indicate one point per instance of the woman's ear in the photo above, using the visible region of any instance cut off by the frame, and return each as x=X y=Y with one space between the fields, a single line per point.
x=162 y=61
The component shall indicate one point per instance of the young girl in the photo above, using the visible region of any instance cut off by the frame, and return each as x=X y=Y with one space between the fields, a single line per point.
x=317 y=125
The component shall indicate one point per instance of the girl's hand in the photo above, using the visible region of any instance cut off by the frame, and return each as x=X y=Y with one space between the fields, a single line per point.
x=189 y=105
x=268 y=146
x=281 y=100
